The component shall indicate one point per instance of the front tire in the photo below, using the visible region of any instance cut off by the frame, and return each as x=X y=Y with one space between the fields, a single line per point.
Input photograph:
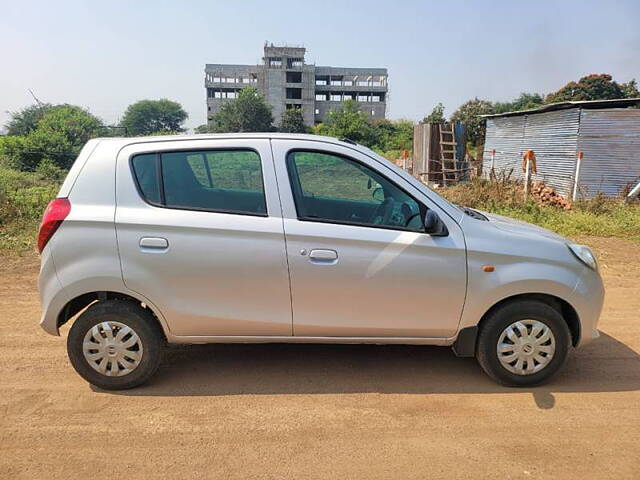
x=115 y=345
x=523 y=343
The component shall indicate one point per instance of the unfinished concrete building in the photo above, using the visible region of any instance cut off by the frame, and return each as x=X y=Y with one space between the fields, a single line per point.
x=287 y=81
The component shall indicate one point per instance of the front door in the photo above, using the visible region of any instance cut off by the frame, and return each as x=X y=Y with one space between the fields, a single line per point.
x=359 y=262
x=200 y=235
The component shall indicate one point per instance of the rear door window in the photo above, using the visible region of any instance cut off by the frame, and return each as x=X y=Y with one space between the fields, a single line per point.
x=228 y=181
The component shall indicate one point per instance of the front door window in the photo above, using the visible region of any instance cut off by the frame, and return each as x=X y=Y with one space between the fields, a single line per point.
x=335 y=189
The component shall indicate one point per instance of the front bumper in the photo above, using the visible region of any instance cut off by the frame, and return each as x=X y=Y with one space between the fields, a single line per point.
x=588 y=300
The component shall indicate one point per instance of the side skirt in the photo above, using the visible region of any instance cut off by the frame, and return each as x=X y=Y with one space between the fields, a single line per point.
x=287 y=339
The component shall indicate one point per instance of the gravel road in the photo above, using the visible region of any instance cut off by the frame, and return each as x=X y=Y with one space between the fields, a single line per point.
x=321 y=411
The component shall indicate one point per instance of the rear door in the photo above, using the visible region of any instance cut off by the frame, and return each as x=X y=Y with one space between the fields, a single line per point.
x=200 y=235
x=359 y=262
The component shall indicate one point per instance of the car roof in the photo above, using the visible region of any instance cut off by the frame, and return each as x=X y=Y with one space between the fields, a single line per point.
x=124 y=141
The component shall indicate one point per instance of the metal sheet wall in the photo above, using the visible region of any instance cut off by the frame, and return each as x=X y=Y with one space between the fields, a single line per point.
x=551 y=135
x=505 y=136
x=610 y=142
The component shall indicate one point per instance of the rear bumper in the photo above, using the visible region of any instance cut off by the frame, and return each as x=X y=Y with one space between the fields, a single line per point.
x=52 y=294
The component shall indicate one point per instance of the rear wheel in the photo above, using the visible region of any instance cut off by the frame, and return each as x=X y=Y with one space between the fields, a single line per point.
x=115 y=345
x=523 y=343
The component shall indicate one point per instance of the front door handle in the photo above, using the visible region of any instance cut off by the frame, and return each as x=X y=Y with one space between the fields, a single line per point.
x=323 y=257
x=154 y=243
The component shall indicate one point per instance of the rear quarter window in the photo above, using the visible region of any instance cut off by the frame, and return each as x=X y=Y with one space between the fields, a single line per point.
x=146 y=172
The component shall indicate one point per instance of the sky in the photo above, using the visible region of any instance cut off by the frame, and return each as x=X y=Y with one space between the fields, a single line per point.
x=107 y=55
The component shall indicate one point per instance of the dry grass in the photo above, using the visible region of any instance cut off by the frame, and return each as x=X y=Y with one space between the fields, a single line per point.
x=600 y=216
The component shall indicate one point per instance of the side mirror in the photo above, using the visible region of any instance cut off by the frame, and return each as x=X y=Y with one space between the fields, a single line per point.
x=433 y=225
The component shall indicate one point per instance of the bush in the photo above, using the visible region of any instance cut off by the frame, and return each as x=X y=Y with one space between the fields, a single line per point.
x=23 y=198
x=48 y=170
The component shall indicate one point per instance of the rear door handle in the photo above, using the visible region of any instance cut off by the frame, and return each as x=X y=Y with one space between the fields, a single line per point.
x=154 y=243
x=323 y=257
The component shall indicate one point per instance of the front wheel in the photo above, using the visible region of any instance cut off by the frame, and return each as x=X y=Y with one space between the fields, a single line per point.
x=523 y=343
x=115 y=345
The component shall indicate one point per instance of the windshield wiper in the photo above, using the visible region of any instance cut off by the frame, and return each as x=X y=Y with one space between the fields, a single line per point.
x=473 y=213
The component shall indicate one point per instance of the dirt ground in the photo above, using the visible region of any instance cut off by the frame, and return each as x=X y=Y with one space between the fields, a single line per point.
x=313 y=411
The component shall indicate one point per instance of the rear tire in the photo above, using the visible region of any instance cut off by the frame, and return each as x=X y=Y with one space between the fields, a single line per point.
x=116 y=344
x=523 y=343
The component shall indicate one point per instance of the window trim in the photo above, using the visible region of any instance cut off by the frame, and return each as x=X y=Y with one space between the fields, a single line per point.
x=294 y=183
x=160 y=180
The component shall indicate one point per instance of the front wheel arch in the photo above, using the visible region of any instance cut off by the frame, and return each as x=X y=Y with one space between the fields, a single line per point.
x=466 y=341
x=562 y=306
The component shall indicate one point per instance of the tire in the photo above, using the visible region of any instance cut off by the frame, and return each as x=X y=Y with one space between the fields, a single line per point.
x=531 y=314
x=131 y=360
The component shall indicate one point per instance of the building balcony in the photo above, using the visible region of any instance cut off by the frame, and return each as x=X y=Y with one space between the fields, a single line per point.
x=349 y=88
x=230 y=84
x=333 y=103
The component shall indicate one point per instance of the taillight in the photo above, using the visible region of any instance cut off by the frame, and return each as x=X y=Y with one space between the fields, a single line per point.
x=53 y=216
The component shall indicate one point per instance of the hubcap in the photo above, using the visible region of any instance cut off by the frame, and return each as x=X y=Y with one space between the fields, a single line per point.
x=526 y=347
x=112 y=348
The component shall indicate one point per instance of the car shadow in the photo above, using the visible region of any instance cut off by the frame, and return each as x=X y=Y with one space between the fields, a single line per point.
x=605 y=365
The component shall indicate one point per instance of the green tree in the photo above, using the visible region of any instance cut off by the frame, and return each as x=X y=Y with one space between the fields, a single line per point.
x=392 y=135
x=594 y=87
x=292 y=121
x=25 y=121
x=248 y=112
x=151 y=116
x=469 y=115
x=348 y=122
x=525 y=101
x=58 y=138
x=630 y=89
x=381 y=135
x=436 y=115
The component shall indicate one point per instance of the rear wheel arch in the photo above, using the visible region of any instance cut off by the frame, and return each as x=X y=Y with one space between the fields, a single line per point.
x=116 y=344
x=81 y=302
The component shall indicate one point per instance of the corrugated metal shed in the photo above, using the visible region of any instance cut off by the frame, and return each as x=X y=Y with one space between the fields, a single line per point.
x=505 y=136
x=608 y=137
x=610 y=140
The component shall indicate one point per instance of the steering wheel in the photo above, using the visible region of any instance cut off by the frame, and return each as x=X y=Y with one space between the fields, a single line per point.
x=382 y=213
x=411 y=217
x=407 y=214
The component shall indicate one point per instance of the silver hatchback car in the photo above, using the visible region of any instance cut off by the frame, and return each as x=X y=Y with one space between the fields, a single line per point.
x=295 y=238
